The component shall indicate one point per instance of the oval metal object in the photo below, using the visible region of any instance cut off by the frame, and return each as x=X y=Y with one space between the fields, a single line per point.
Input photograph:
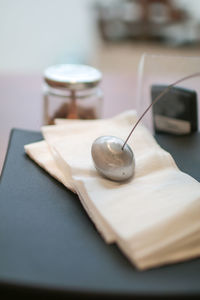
x=110 y=160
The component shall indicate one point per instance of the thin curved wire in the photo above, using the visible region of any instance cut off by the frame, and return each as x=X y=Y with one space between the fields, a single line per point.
x=156 y=99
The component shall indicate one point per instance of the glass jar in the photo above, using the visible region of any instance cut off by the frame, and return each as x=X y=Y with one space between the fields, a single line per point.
x=177 y=112
x=72 y=91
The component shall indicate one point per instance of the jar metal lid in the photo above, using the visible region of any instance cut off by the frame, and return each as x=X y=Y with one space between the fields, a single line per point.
x=72 y=76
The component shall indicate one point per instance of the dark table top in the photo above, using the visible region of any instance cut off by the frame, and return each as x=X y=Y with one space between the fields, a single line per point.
x=49 y=246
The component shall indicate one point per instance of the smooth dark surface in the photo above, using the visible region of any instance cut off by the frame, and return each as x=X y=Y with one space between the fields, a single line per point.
x=47 y=241
x=185 y=151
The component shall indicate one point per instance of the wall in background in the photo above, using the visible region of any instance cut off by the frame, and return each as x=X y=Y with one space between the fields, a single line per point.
x=38 y=33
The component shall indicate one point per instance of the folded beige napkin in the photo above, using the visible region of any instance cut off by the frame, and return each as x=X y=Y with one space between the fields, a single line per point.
x=154 y=218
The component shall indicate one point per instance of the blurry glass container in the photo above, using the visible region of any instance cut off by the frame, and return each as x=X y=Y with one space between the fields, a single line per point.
x=163 y=70
x=72 y=91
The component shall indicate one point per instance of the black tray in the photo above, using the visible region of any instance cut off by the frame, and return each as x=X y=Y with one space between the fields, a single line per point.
x=49 y=247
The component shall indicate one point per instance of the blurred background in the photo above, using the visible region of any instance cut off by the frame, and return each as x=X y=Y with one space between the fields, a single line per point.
x=110 y=35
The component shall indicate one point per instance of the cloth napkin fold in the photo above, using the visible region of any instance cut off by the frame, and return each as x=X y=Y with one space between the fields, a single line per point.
x=154 y=217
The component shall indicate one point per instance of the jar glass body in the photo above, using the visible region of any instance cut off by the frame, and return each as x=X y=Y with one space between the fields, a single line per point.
x=62 y=103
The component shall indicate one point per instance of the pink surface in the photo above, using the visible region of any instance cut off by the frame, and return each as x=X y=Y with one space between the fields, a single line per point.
x=21 y=101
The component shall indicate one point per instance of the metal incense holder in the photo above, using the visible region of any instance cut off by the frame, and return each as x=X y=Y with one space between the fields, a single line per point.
x=113 y=157
x=111 y=160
